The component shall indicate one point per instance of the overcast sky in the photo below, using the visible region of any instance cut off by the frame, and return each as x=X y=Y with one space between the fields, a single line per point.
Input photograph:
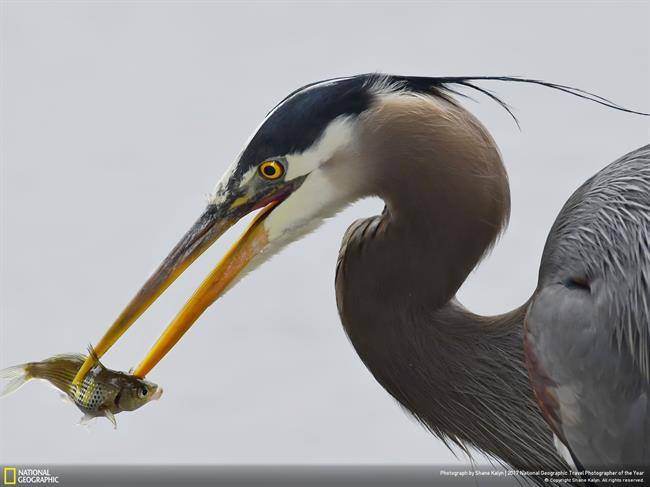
x=117 y=120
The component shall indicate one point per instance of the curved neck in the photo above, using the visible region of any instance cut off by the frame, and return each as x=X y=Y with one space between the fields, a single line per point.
x=460 y=374
x=447 y=199
x=445 y=188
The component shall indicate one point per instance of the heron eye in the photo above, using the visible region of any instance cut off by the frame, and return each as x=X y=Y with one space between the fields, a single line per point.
x=271 y=170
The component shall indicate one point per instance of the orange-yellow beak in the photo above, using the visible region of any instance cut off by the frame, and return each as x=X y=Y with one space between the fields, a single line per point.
x=208 y=228
x=252 y=242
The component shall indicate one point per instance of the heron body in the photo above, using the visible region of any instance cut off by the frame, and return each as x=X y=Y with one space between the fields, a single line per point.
x=464 y=376
x=588 y=327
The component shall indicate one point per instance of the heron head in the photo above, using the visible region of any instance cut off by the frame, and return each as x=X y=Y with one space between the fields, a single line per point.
x=297 y=160
x=297 y=169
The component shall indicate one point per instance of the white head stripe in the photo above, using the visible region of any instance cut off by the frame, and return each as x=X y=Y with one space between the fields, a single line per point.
x=338 y=134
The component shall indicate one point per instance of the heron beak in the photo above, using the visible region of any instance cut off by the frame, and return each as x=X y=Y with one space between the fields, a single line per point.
x=208 y=228
x=252 y=242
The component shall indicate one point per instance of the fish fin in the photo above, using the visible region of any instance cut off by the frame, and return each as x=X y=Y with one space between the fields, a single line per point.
x=13 y=385
x=85 y=419
x=13 y=372
x=68 y=356
x=65 y=398
x=111 y=417
x=17 y=376
x=93 y=354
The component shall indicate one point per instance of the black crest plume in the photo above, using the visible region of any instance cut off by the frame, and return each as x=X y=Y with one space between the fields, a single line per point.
x=445 y=84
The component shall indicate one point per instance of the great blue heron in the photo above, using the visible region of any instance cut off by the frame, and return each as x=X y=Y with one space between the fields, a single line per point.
x=446 y=194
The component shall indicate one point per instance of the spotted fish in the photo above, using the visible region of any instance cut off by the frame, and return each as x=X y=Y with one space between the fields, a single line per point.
x=103 y=392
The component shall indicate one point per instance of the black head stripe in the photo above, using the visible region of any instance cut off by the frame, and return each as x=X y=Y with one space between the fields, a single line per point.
x=301 y=118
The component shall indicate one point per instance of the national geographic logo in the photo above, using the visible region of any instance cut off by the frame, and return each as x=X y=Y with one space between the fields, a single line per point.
x=28 y=476
x=9 y=476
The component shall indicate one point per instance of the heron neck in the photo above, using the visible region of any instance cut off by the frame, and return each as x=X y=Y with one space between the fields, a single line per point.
x=461 y=374
x=447 y=198
x=446 y=192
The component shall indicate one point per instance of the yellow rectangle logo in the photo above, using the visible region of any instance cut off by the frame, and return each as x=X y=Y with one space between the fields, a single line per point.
x=9 y=476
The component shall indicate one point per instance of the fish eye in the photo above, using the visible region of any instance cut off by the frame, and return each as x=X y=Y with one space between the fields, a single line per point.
x=143 y=392
x=271 y=170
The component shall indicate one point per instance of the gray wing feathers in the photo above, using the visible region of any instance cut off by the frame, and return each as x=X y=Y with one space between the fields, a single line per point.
x=603 y=236
x=589 y=322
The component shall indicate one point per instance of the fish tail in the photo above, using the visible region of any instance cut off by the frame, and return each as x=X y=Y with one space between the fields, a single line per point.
x=17 y=376
x=13 y=372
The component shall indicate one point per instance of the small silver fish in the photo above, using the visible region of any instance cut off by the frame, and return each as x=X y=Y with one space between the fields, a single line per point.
x=103 y=392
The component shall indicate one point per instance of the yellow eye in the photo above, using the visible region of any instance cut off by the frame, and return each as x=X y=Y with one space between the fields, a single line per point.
x=271 y=170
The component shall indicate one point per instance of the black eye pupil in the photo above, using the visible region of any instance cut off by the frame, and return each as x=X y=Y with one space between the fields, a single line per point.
x=269 y=170
x=144 y=392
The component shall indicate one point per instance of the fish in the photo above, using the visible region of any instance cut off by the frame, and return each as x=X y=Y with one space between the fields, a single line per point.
x=102 y=393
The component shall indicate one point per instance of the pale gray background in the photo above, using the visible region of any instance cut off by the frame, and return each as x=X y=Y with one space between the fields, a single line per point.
x=118 y=119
